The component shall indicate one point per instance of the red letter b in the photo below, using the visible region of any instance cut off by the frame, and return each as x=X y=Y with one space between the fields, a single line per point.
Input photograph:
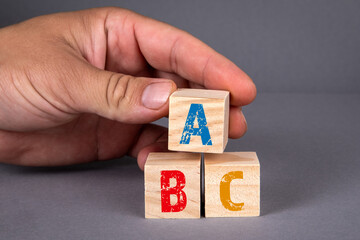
x=166 y=191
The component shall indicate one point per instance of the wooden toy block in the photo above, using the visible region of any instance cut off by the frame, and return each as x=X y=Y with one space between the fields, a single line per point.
x=232 y=184
x=198 y=120
x=172 y=185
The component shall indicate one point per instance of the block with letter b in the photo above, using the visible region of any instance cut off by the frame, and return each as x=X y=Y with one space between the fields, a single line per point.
x=172 y=185
x=198 y=120
x=232 y=184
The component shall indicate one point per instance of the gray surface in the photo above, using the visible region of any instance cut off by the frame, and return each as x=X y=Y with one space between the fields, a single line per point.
x=286 y=46
x=308 y=146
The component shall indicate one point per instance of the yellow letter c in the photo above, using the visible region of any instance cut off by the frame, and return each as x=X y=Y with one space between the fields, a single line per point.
x=225 y=191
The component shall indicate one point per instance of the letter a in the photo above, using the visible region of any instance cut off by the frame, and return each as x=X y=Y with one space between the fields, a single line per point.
x=166 y=191
x=196 y=111
x=225 y=191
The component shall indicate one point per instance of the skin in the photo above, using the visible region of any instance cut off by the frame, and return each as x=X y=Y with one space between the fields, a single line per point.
x=71 y=85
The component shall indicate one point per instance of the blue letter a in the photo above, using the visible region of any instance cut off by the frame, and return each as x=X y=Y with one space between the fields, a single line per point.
x=196 y=111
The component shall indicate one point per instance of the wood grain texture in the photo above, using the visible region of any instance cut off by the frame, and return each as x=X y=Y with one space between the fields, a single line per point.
x=240 y=173
x=189 y=165
x=216 y=108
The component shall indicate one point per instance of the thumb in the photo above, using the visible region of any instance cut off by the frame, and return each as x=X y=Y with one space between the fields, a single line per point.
x=125 y=98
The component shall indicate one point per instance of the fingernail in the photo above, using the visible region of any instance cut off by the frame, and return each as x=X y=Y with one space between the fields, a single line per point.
x=156 y=95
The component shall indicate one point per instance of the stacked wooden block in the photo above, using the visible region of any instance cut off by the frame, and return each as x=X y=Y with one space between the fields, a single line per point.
x=198 y=122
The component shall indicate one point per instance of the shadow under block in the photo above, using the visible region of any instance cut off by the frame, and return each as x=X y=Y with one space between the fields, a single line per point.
x=232 y=184
x=198 y=120
x=172 y=185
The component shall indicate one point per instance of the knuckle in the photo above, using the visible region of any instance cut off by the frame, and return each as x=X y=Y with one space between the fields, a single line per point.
x=118 y=90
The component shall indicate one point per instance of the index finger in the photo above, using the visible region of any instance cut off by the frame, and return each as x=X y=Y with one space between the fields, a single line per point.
x=169 y=49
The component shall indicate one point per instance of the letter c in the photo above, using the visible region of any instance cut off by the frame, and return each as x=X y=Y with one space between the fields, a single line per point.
x=225 y=191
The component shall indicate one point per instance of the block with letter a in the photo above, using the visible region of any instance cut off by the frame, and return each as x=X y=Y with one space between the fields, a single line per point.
x=172 y=185
x=232 y=184
x=198 y=120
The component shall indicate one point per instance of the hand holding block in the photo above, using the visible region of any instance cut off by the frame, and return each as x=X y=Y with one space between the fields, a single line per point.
x=232 y=184
x=172 y=185
x=198 y=120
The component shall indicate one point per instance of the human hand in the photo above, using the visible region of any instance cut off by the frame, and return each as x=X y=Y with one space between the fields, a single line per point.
x=83 y=86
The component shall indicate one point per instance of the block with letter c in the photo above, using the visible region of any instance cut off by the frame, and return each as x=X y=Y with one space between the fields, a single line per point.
x=232 y=184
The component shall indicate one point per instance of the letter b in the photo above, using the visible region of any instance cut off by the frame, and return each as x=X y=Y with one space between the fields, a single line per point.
x=166 y=191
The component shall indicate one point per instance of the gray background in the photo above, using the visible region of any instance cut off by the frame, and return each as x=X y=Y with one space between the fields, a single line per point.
x=304 y=57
